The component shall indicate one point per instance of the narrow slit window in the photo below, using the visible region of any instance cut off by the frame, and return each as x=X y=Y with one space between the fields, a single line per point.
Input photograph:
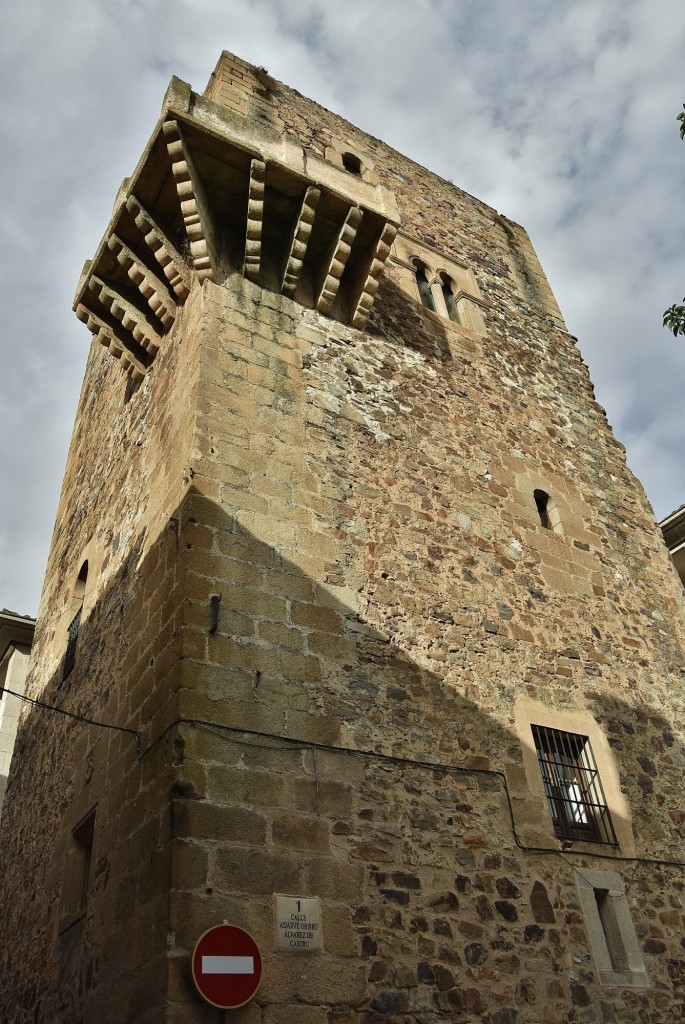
x=542 y=503
x=611 y=929
x=83 y=840
x=132 y=388
x=424 y=287
x=572 y=786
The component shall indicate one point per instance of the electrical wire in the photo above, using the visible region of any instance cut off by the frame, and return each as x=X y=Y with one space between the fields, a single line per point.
x=72 y=714
x=289 y=743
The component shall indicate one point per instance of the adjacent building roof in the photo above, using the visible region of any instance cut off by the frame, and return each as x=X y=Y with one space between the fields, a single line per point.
x=673 y=530
x=15 y=630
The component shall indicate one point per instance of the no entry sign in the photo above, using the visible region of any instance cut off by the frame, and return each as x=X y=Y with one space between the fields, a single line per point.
x=227 y=966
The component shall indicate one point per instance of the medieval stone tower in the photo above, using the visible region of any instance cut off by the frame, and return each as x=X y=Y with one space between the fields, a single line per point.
x=351 y=599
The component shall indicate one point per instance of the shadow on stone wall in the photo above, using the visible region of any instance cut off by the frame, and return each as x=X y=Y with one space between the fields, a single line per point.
x=286 y=747
x=395 y=317
x=651 y=758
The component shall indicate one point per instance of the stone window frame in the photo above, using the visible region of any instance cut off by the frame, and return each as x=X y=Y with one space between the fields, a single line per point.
x=532 y=814
x=78 y=870
x=613 y=942
x=441 y=271
x=557 y=506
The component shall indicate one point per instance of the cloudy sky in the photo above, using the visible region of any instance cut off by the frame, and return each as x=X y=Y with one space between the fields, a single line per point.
x=562 y=115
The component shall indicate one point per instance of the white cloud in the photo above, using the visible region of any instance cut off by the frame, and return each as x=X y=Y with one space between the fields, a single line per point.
x=561 y=116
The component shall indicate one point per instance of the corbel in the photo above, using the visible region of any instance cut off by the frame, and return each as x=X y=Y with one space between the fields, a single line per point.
x=164 y=251
x=255 y=217
x=149 y=286
x=300 y=241
x=370 y=286
x=193 y=201
x=132 y=319
x=340 y=253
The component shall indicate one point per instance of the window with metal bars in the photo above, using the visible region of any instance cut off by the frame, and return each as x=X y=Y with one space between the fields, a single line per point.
x=572 y=786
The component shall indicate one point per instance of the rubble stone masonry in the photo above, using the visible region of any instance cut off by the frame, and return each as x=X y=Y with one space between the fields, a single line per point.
x=320 y=592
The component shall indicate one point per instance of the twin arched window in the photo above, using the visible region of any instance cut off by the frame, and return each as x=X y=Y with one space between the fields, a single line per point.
x=436 y=292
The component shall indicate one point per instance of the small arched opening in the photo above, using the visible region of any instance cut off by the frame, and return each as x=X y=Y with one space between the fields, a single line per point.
x=352 y=163
x=542 y=504
x=423 y=285
x=447 y=286
x=77 y=600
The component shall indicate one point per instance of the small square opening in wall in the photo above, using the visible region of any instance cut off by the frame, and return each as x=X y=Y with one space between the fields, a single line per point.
x=77 y=871
x=352 y=163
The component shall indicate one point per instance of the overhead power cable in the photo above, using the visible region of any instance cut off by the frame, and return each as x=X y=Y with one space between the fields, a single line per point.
x=303 y=745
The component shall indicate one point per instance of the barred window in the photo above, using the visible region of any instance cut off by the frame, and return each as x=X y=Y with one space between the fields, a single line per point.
x=572 y=786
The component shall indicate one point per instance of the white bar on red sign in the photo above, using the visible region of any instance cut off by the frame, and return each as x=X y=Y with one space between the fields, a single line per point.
x=228 y=965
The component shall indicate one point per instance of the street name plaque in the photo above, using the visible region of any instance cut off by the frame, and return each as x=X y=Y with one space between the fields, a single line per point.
x=298 y=924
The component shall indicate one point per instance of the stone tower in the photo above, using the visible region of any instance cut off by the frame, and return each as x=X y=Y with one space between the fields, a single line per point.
x=351 y=599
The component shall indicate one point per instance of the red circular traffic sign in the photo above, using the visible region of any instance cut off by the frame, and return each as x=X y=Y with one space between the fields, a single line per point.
x=227 y=966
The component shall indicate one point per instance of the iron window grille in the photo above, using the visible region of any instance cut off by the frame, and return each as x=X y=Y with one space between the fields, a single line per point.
x=572 y=786
x=72 y=639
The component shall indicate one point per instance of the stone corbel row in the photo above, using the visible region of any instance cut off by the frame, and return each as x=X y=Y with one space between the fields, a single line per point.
x=170 y=260
x=203 y=250
x=132 y=331
x=134 y=360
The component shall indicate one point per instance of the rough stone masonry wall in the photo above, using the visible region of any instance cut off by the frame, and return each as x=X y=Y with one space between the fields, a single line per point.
x=410 y=629
x=414 y=628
